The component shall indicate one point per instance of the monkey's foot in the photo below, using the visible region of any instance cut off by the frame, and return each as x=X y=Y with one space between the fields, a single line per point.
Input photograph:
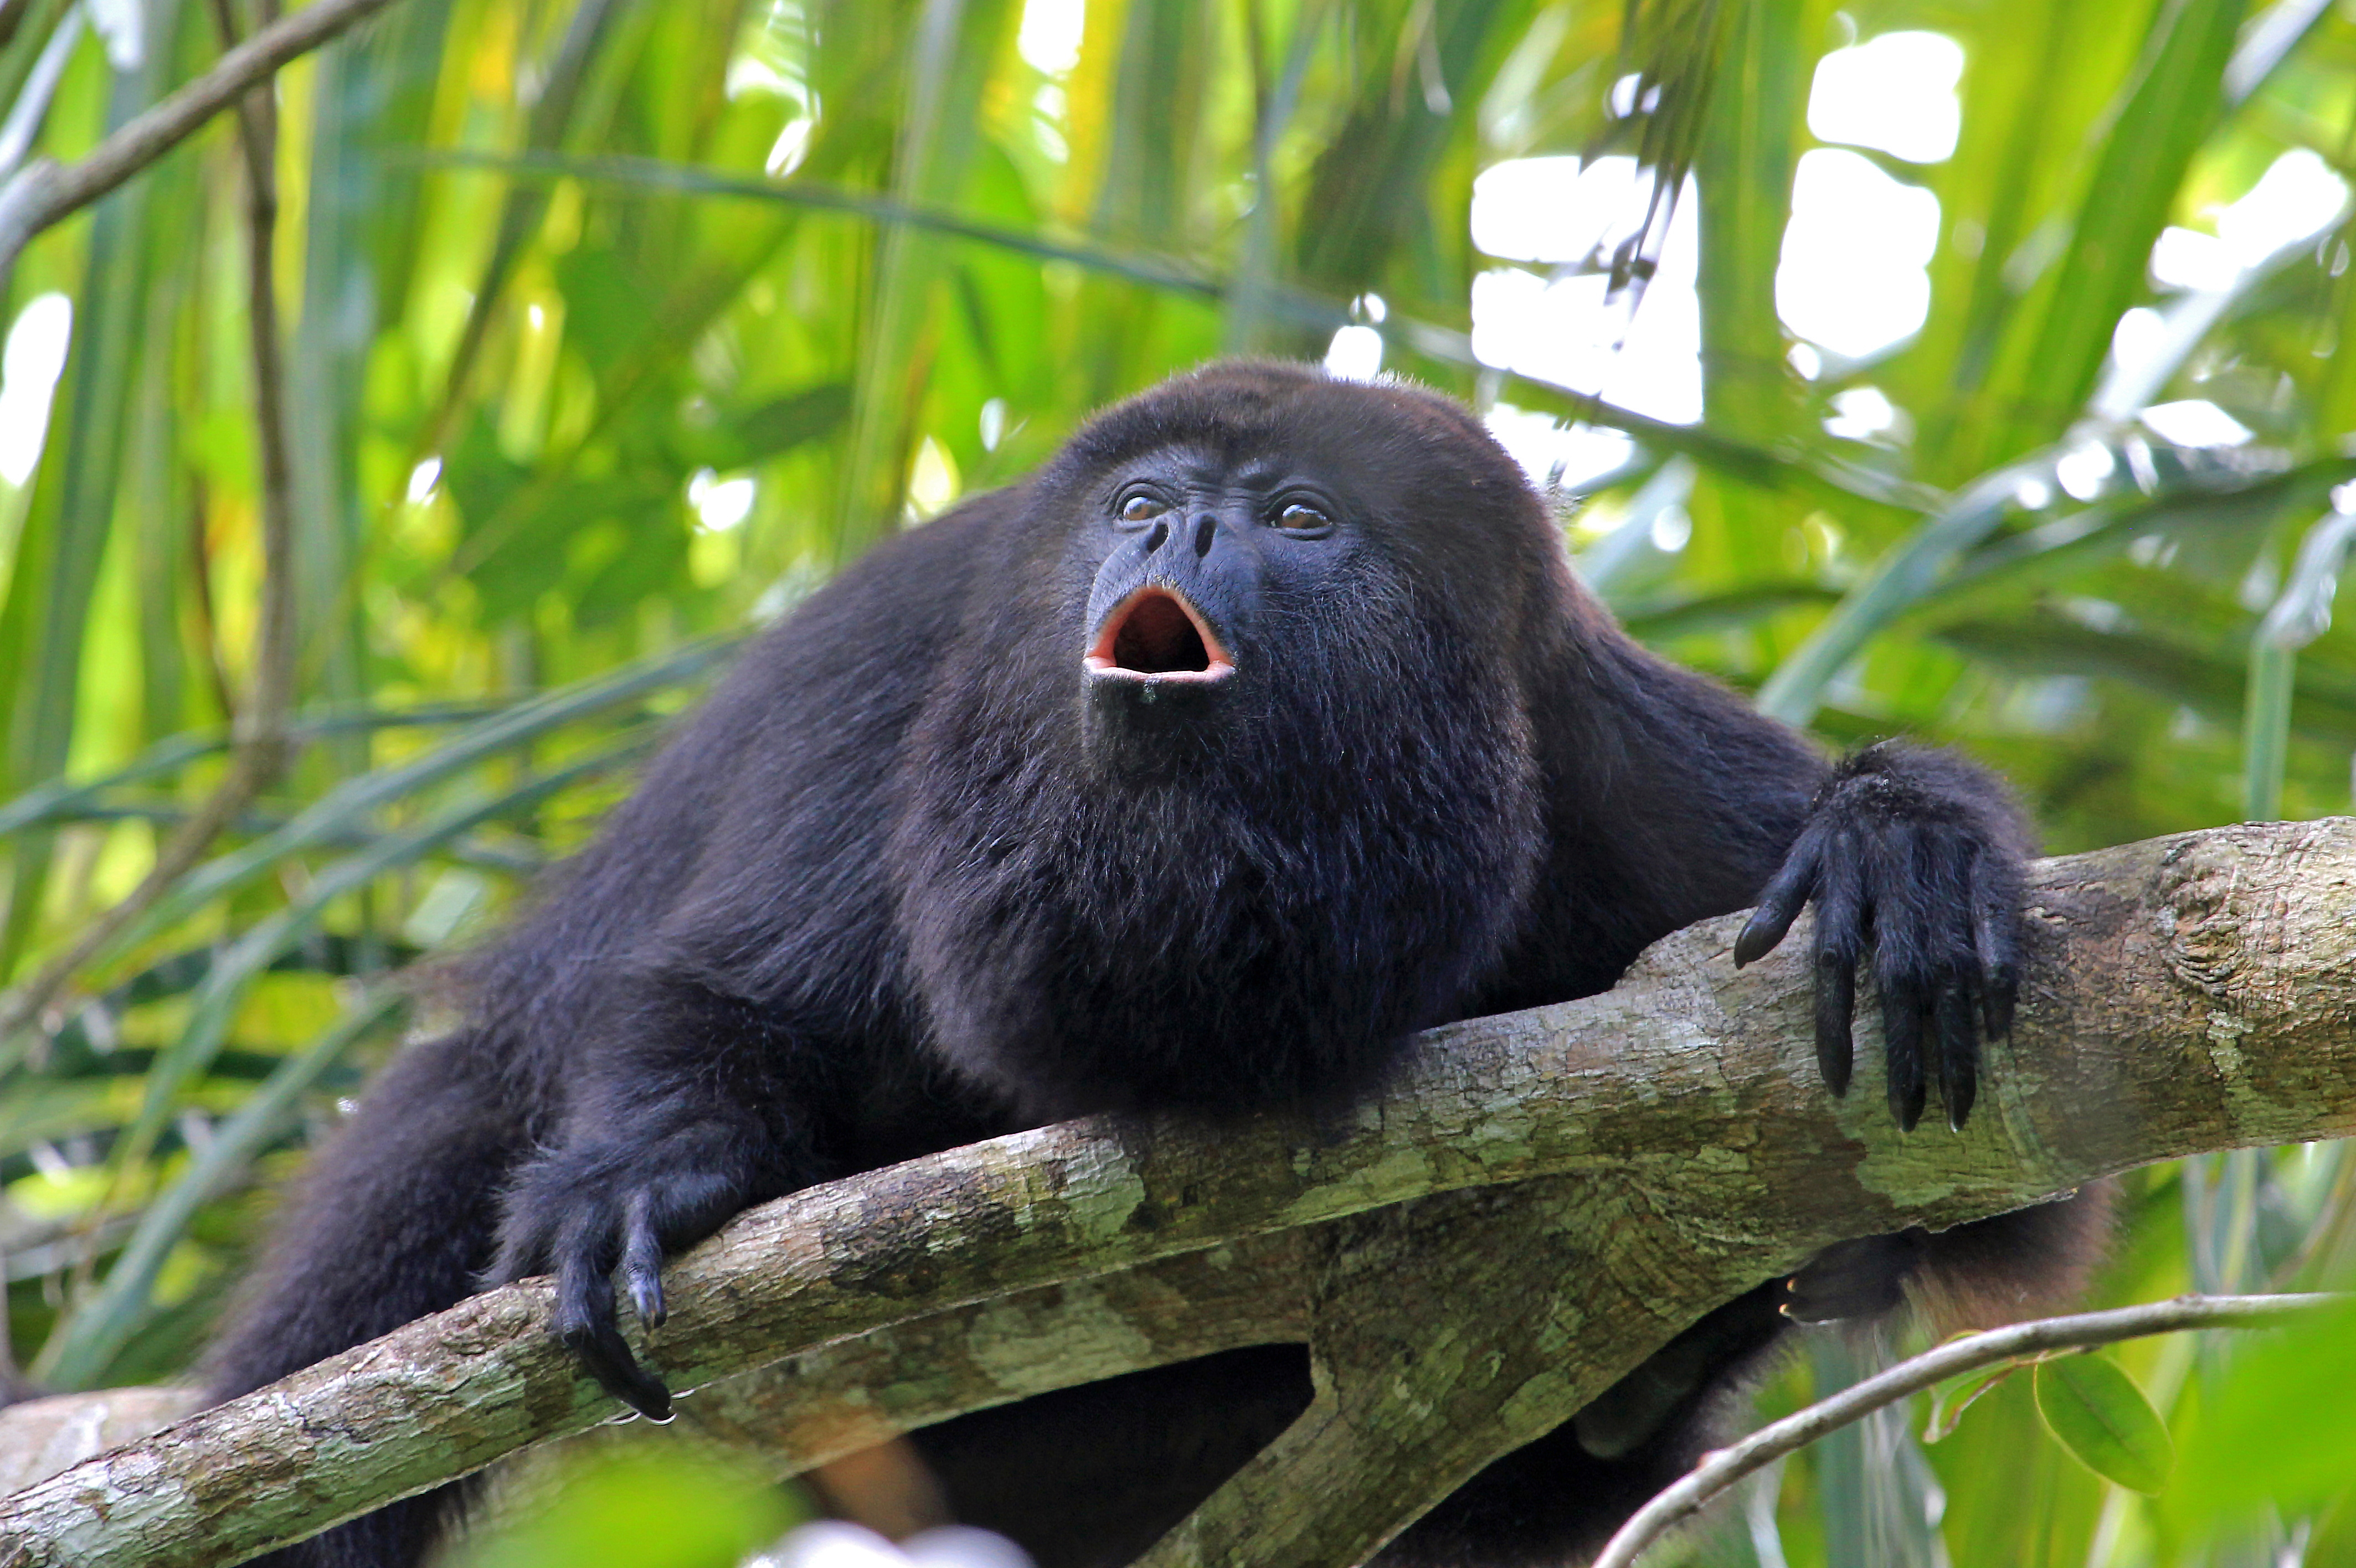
x=586 y=1213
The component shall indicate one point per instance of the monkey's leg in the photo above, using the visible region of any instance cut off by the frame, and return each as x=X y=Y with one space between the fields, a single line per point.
x=688 y=1109
x=394 y=1219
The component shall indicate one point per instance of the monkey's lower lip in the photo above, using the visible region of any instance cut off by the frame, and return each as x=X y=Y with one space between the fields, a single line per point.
x=1156 y=634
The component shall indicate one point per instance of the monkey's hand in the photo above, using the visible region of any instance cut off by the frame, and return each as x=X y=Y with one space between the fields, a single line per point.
x=1915 y=855
x=583 y=1213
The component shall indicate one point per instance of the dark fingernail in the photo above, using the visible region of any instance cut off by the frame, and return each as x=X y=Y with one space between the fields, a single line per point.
x=1906 y=1102
x=1960 y=1098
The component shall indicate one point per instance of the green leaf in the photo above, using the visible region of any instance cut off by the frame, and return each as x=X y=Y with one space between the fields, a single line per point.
x=89 y=1338
x=2104 y=1420
x=2333 y=1544
x=1949 y=1399
x=2275 y=1434
x=666 y=1507
x=253 y=951
x=355 y=799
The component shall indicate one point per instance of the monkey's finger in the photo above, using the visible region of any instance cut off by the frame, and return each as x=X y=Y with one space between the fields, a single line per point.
x=642 y=1261
x=2000 y=998
x=1852 y=1279
x=587 y=1249
x=1996 y=935
x=1959 y=1047
x=1781 y=900
x=1901 y=1032
x=586 y=1323
x=1840 y=937
x=606 y=1357
x=1835 y=1015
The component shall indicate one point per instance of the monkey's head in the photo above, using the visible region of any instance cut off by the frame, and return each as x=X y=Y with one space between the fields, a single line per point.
x=1256 y=544
x=1235 y=746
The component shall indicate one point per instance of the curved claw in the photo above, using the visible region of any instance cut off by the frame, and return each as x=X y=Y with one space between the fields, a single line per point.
x=1781 y=900
x=1914 y=858
x=587 y=1324
x=1835 y=1011
x=605 y=1358
x=601 y=1217
x=1840 y=937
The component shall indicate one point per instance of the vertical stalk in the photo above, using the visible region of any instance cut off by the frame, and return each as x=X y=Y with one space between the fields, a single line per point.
x=261 y=723
x=2266 y=727
x=2301 y=613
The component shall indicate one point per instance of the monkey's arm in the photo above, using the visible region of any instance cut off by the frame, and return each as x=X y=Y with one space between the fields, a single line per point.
x=1678 y=800
x=697 y=1065
x=1916 y=855
x=690 y=1111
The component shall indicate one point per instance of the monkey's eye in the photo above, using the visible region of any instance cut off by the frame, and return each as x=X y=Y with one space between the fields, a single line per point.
x=1141 y=509
x=1301 y=518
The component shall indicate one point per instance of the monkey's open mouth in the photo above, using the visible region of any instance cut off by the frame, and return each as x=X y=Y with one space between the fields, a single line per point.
x=1155 y=634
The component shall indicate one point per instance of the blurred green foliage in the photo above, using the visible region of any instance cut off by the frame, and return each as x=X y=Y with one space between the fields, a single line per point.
x=639 y=1505
x=615 y=325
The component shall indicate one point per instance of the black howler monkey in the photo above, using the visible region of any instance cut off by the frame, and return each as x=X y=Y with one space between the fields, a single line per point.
x=1262 y=728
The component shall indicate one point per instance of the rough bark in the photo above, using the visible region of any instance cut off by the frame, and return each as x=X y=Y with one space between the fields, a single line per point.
x=1538 y=1202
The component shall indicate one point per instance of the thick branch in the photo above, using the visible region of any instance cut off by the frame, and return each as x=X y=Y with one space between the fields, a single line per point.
x=2190 y=994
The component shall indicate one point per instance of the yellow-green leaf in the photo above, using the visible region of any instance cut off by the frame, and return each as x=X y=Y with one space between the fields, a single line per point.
x=1949 y=1399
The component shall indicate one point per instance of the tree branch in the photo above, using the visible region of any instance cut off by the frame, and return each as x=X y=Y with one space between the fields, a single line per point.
x=45 y=191
x=1671 y=1140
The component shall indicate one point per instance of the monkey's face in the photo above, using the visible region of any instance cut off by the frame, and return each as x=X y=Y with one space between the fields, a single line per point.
x=1205 y=564
x=1288 y=583
x=1234 y=747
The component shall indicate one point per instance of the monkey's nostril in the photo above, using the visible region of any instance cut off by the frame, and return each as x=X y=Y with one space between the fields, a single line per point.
x=1154 y=539
x=1207 y=529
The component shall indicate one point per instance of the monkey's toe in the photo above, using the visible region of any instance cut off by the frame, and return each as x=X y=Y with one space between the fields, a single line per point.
x=604 y=1356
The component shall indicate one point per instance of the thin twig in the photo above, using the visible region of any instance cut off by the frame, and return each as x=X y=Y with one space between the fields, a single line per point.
x=263 y=749
x=1723 y=1468
x=32 y=105
x=271 y=703
x=45 y=191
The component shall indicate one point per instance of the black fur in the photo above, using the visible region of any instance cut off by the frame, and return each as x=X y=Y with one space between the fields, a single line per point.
x=1352 y=756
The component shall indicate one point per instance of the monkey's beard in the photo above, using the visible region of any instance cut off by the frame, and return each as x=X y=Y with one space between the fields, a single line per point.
x=1247 y=901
